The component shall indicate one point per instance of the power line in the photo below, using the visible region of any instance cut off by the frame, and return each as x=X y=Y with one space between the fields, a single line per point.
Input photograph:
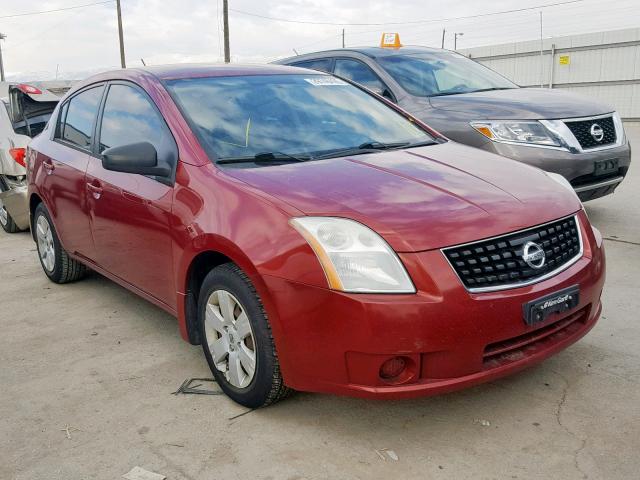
x=56 y=9
x=340 y=24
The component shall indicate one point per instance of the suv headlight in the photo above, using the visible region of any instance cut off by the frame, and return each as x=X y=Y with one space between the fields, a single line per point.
x=527 y=132
x=354 y=257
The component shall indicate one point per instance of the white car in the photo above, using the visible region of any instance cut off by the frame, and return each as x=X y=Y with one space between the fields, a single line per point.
x=23 y=115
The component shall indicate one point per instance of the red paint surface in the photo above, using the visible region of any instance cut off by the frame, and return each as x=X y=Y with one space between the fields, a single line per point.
x=145 y=236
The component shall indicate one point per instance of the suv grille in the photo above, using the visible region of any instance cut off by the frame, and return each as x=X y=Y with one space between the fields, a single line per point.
x=497 y=263
x=582 y=131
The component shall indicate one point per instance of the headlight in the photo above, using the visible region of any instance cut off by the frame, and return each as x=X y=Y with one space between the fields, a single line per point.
x=354 y=257
x=525 y=132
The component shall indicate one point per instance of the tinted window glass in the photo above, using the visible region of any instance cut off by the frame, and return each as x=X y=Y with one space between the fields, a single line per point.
x=293 y=114
x=359 y=73
x=441 y=73
x=322 y=64
x=81 y=113
x=129 y=117
x=61 y=118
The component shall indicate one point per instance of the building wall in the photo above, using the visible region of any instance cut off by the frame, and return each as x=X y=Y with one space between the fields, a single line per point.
x=603 y=65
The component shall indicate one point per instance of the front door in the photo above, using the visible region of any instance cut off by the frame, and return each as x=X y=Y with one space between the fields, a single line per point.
x=130 y=214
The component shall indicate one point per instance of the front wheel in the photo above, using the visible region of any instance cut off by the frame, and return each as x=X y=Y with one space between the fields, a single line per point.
x=55 y=261
x=237 y=340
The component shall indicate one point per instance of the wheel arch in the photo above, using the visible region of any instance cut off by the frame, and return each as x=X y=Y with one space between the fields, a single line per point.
x=34 y=201
x=198 y=262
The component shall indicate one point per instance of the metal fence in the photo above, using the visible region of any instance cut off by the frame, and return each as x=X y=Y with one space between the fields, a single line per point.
x=604 y=66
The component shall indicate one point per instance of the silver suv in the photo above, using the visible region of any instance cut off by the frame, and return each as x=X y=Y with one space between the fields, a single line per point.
x=551 y=129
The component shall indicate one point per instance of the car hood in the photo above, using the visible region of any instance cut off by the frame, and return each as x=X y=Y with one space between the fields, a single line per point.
x=422 y=198
x=520 y=104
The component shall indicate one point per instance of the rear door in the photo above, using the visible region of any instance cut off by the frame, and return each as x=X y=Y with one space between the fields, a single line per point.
x=64 y=163
x=130 y=213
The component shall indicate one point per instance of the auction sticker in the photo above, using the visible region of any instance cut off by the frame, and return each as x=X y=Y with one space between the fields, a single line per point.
x=324 y=81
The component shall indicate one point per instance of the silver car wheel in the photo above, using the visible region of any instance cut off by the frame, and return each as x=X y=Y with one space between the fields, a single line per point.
x=46 y=249
x=4 y=216
x=230 y=338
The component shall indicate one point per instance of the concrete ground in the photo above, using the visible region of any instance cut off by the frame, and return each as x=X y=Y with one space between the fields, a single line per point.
x=87 y=372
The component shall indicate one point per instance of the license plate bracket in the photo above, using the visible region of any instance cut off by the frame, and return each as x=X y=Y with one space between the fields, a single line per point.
x=538 y=310
x=605 y=167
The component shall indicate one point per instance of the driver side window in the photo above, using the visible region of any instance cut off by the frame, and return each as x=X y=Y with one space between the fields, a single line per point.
x=362 y=74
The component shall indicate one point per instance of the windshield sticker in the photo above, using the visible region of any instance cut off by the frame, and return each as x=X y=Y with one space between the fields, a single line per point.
x=324 y=81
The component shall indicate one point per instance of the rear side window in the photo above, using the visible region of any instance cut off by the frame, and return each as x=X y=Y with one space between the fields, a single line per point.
x=322 y=64
x=78 y=116
x=130 y=117
x=359 y=73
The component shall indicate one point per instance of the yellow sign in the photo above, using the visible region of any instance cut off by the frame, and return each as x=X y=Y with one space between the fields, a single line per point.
x=390 y=40
x=565 y=59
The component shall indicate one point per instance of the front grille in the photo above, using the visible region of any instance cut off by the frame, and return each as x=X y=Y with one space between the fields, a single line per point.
x=581 y=129
x=497 y=263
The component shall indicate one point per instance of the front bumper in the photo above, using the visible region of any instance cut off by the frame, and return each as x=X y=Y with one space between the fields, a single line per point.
x=336 y=343
x=578 y=168
x=16 y=203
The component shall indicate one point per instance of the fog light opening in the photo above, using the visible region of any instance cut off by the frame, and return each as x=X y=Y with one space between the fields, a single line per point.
x=392 y=368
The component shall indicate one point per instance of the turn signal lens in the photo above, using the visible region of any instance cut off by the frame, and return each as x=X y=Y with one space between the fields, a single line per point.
x=18 y=155
x=486 y=131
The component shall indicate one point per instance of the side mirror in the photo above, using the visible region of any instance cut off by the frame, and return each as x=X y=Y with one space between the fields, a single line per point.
x=140 y=158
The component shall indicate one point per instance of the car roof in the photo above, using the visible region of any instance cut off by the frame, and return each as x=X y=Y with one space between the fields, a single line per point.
x=196 y=70
x=373 y=52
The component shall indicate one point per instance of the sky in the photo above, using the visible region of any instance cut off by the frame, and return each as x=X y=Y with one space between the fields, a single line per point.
x=76 y=42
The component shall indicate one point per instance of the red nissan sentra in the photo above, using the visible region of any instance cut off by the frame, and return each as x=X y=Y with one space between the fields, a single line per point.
x=309 y=234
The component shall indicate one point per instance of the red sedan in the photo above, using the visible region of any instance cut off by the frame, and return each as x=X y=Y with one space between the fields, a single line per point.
x=309 y=234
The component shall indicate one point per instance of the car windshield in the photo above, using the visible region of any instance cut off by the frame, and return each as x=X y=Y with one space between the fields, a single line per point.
x=286 y=116
x=441 y=73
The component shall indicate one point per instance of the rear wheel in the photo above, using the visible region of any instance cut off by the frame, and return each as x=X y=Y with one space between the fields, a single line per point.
x=6 y=222
x=55 y=261
x=237 y=340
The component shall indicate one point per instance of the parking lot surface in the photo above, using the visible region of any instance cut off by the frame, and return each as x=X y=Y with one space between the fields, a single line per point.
x=87 y=371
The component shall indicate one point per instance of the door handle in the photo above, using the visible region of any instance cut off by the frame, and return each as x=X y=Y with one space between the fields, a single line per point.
x=48 y=166
x=95 y=190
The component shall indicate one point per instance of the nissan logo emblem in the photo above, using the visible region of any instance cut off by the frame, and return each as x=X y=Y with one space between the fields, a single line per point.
x=596 y=132
x=533 y=255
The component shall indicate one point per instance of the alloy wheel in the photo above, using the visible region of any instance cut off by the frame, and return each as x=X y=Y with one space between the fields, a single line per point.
x=230 y=338
x=4 y=216
x=46 y=249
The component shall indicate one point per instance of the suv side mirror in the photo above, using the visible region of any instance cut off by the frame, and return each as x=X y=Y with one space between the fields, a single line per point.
x=140 y=158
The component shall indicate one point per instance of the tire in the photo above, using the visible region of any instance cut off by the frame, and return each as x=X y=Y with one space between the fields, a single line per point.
x=6 y=222
x=264 y=386
x=55 y=261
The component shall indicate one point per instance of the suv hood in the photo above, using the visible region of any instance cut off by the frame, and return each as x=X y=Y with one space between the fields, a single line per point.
x=520 y=104
x=421 y=198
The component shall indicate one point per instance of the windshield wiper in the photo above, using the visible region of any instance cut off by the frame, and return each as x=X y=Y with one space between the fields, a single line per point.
x=381 y=146
x=492 y=89
x=264 y=157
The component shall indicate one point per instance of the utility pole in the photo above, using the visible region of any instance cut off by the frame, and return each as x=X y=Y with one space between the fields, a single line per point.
x=541 y=54
x=120 y=35
x=343 y=38
x=225 y=20
x=443 y=32
x=2 y=37
x=455 y=40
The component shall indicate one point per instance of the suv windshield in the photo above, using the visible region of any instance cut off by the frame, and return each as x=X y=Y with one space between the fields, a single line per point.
x=441 y=73
x=279 y=117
